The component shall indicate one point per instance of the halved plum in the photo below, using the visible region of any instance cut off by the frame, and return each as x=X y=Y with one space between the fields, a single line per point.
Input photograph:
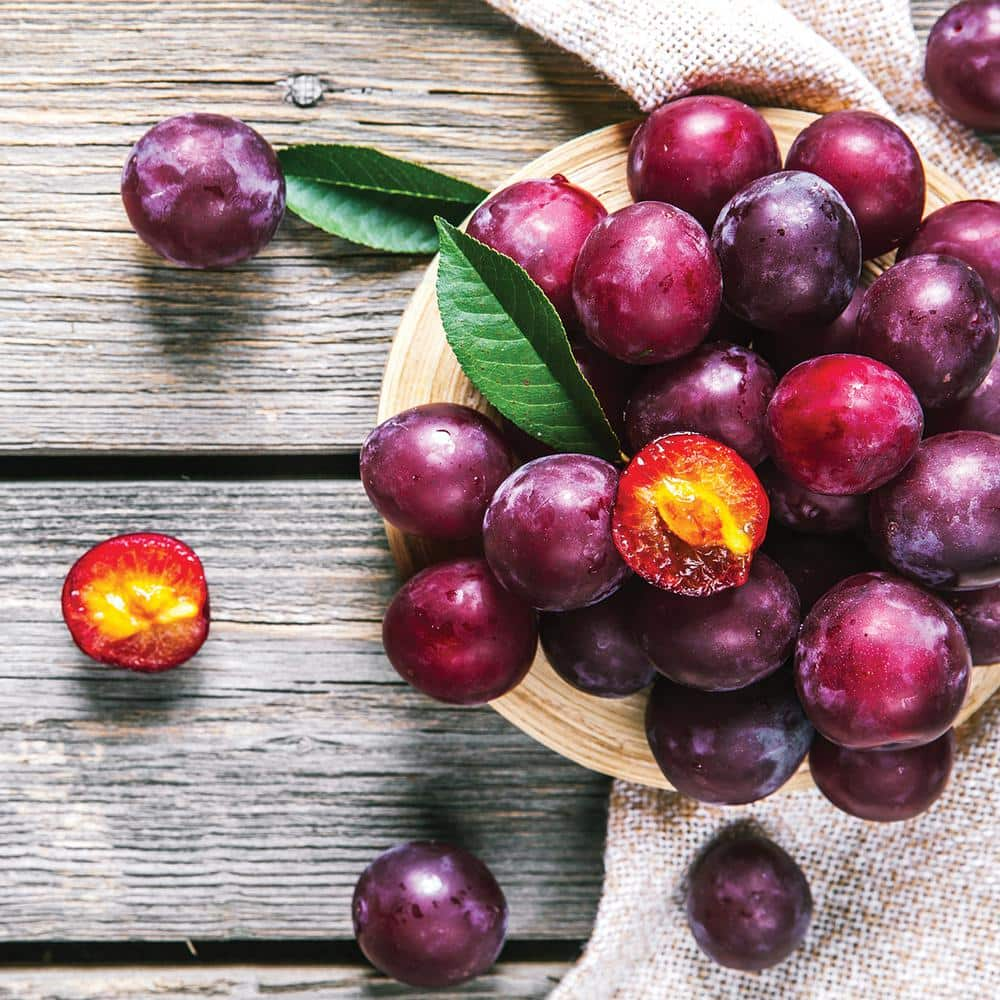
x=138 y=601
x=689 y=515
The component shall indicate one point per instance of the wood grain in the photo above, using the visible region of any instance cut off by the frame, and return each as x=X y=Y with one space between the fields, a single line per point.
x=519 y=981
x=106 y=348
x=242 y=794
x=606 y=735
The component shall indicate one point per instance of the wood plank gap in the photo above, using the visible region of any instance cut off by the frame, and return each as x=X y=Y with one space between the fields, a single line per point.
x=212 y=468
x=303 y=951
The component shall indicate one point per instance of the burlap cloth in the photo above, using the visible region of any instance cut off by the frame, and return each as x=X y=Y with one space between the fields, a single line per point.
x=902 y=910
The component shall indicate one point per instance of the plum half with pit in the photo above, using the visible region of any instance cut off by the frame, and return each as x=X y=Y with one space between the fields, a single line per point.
x=962 y=67
x=931 y=319
x=728 y=747
x=429 y=914
x=872 y=163
x=595 y=649
x=697 y=152
x=938 y=522
x=789 y=250
x=542 y=225
x=547 y=533
x=456 y=635
x=843 y=424
x=719 y=390
x=884 y=786
x=968 y=230
x=726 y=640
x=978 y=611
x=647 y=286
x=800 y=509
x=689 y=515
x=748 y=903
x=203 y=190
x=432 y=470
x=881 y=663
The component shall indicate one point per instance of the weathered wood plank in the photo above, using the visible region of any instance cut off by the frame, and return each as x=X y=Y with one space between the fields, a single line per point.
x=519 y=981
x=106 y=348
x=242 y=794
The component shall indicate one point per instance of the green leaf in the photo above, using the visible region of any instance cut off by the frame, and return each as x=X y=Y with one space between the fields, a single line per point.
x=511 y=344
x=371 y=198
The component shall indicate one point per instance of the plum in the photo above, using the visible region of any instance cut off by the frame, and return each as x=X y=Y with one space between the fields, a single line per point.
x=968 y=230
x=429 y=914
x=789 y=250
x=978 y=611
x=795 y=507
x=689 y=515
x=728 y=747
x=432 y=470
x=789 y=348
x=978 y=412
x=595 y=648
x=843 y=424
x=138 y=601
x=647 y=286
x=697 y=152
x=883 y=785
x=932 y=320
x=962 y=67
x=938 y=522
x=719 y=390
x=456 y=635
x=547 y=533
x=872 y=163
x=203 y=190
x=748 y=903
x=726 y=640
x=541 y=224
x=816 y=563
x=881 y=663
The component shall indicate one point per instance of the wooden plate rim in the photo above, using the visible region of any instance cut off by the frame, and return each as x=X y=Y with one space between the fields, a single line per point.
x=601 y=734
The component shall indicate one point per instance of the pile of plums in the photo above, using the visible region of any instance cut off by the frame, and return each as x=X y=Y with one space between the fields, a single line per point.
x=795 y=568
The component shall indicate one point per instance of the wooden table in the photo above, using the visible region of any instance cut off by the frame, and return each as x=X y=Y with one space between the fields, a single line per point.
x=199 y=833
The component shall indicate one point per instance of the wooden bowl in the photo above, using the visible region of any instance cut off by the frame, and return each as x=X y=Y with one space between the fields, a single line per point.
x=603 y=734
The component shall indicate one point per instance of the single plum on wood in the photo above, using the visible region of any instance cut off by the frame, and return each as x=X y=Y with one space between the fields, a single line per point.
x=429 y=914
x=203 y=190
